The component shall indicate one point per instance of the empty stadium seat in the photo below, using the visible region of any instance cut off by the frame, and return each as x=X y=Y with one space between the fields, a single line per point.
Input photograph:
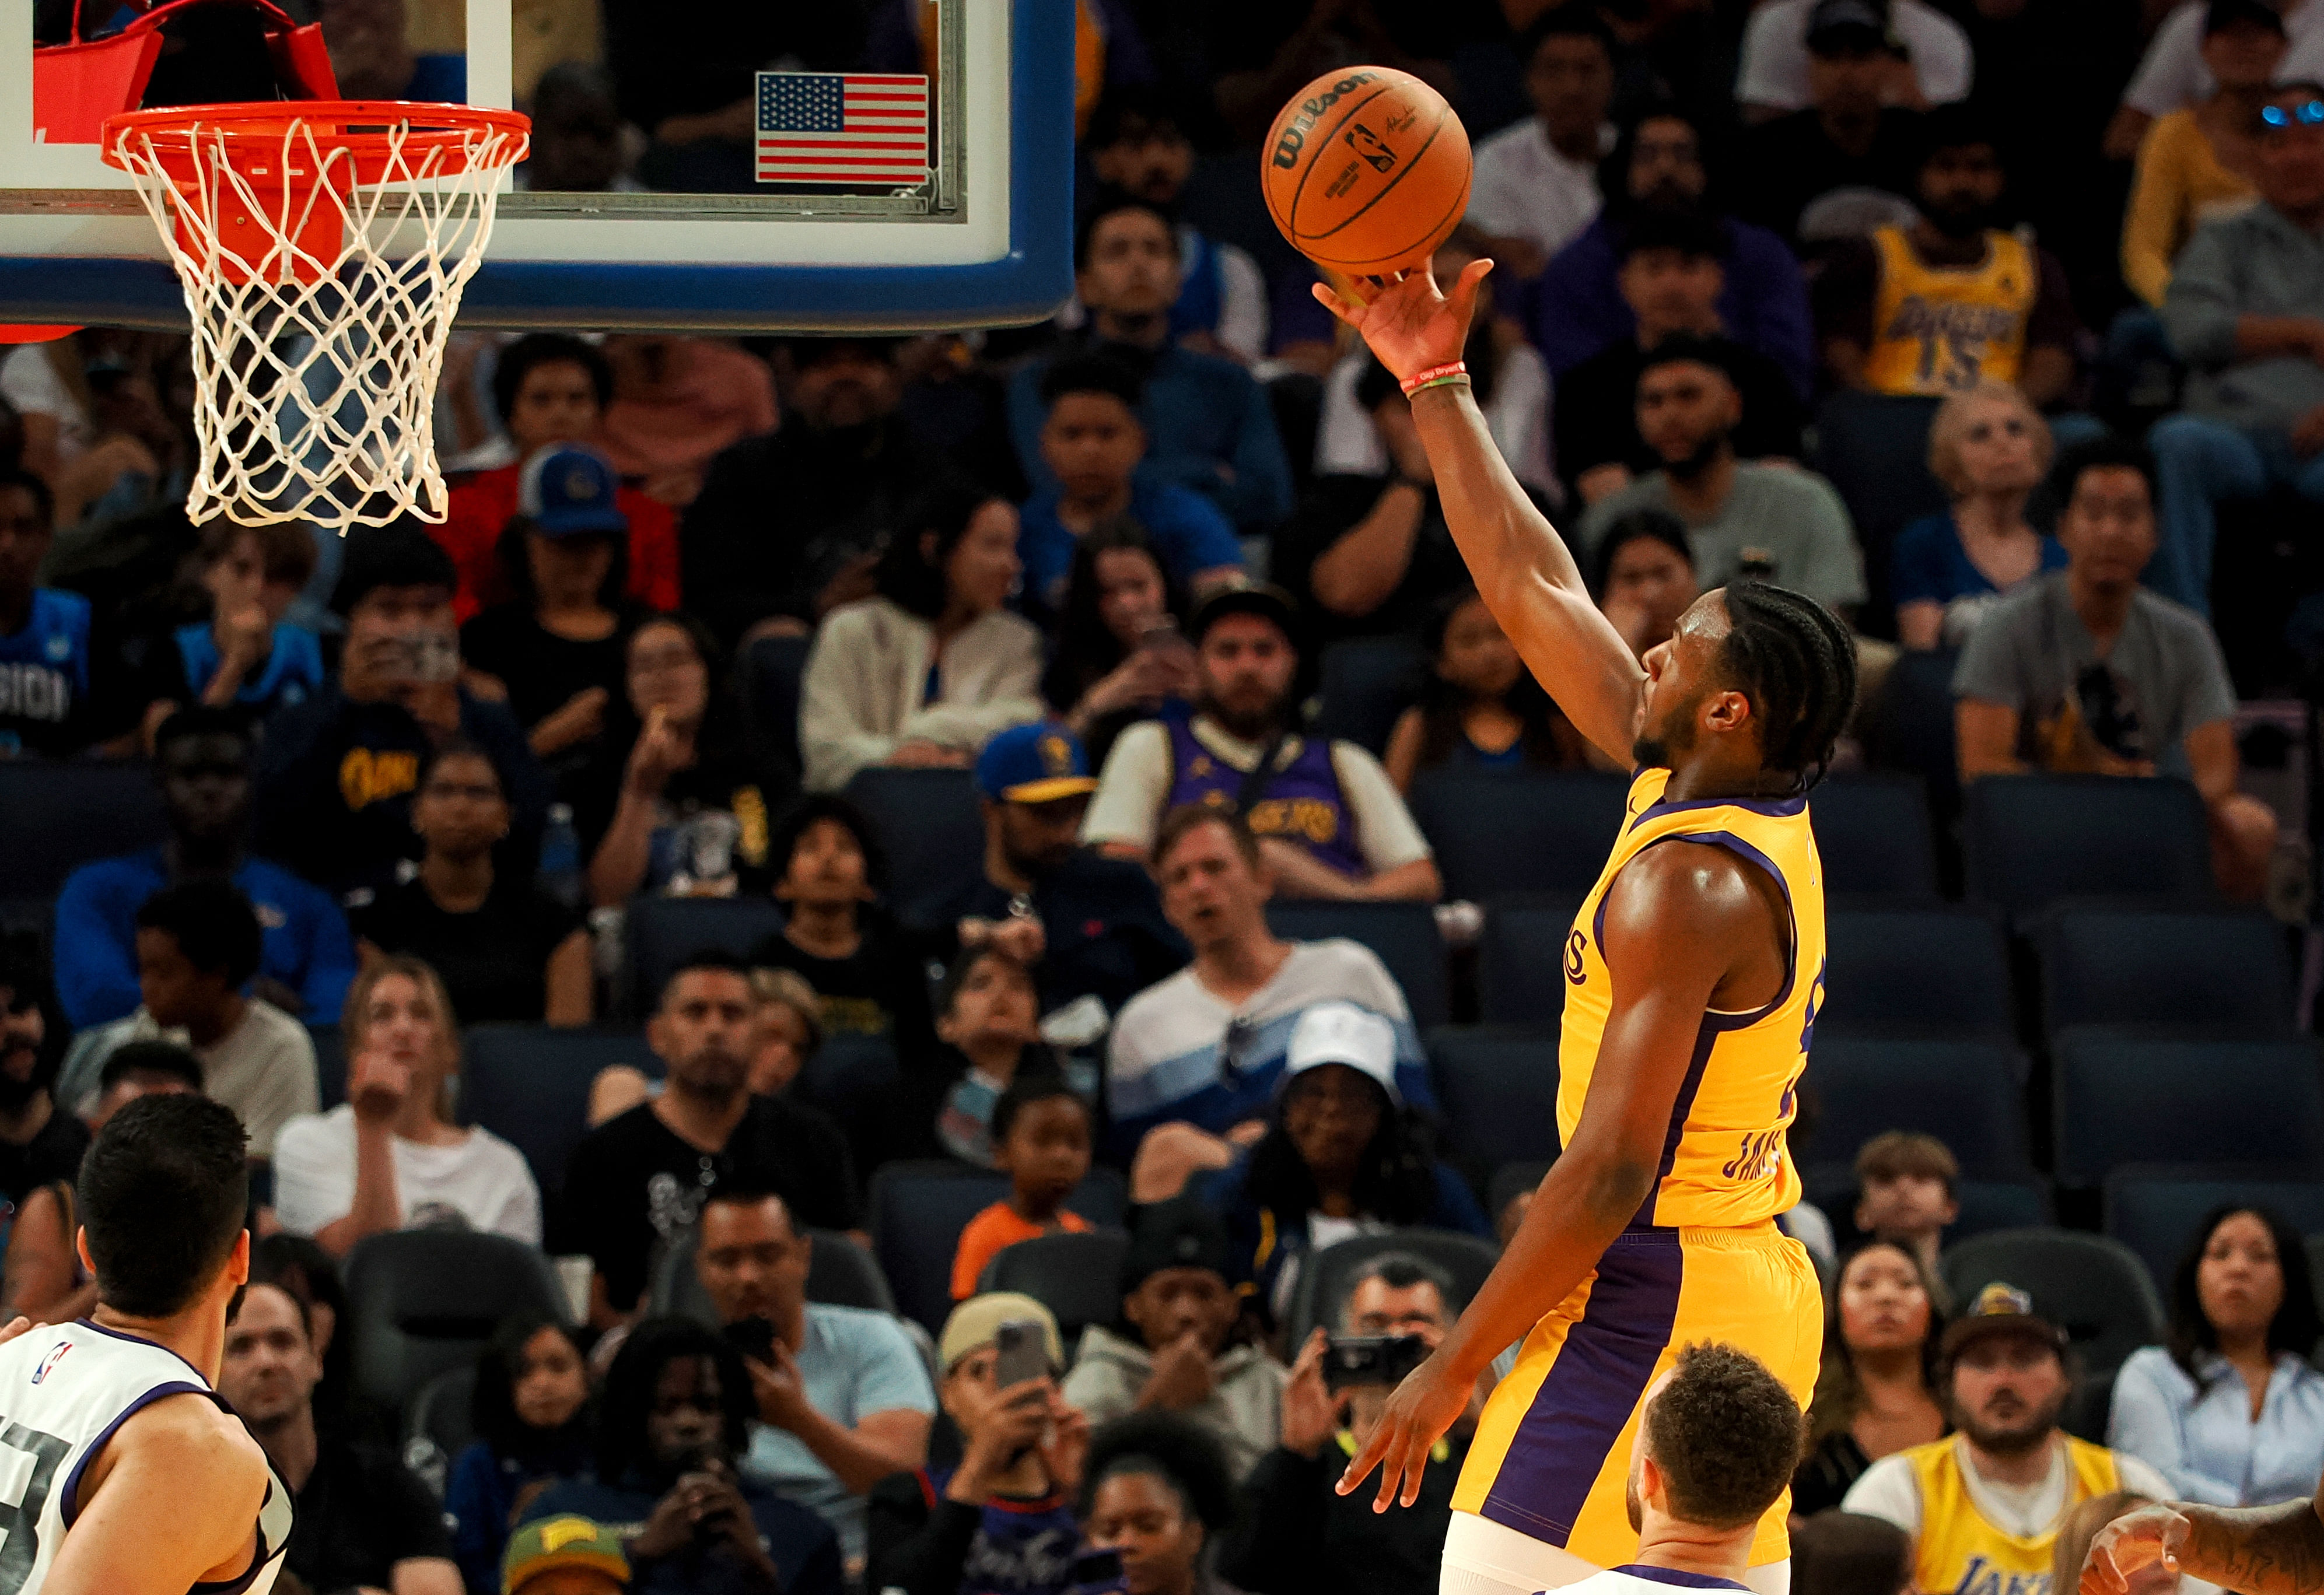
x=1521 y=960
x=919 y=1207
x=1874 y=449
x=2094 y=1288
x=2227 y=971
x=839 y=1274
x=422 y=1300
x=330 y=1065
x=1078 y=1277
x=1499 y=1088
x=2122 y=1097
x=1909 y=728
x=1985 y=1204
x=436 y=1426
x=931 y=825
x=2030 y=839
x=529 y=1084
x=771 y=669
x=1967 y=1093
x=1531 y=831
x=1324 y=1276
x=1930 y=970
x=1873 y=836
x=660 y=933
x=66 y=814
x=1403 y=936
x=1366 y=683
x=2155 y=1211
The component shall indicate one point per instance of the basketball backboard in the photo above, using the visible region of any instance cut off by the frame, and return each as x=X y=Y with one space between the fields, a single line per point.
x=984 y=238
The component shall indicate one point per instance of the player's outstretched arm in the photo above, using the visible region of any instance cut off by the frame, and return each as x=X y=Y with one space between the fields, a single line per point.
x=171 y=1502
x=2259 y=1550
x=1521 y=567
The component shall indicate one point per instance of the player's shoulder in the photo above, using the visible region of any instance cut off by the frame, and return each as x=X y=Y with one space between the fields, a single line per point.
x=187 y=1434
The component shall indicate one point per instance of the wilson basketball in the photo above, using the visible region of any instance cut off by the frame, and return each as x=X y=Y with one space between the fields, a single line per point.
x=1367 y=171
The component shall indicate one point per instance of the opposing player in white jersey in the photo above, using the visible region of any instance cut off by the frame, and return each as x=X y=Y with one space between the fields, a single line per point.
x=126 y=1473
x=1717 y=1441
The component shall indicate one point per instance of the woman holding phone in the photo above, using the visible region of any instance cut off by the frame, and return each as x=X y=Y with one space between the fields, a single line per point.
x=1122 y=654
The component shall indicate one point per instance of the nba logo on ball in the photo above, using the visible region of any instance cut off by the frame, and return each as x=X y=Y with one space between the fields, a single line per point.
x=56 y=1355
x=1367 y=171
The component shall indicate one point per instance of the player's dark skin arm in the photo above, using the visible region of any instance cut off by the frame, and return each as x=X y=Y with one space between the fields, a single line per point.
x=2257 y=1549
x=1688 y=926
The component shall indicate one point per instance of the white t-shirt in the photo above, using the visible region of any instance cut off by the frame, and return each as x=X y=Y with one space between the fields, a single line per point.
x=2171 y=76
x=1775 y=70
x=263 y=1068
x=29 y=382
x=1347 y=443
x=482 y=1178
x=1889 y=1488
x=1524 y=188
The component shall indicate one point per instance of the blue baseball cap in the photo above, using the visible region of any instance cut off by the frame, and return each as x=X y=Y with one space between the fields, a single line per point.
x=566 y=489
x=1036 y=763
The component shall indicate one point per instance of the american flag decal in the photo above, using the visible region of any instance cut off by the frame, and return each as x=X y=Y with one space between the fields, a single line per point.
x=843 y=127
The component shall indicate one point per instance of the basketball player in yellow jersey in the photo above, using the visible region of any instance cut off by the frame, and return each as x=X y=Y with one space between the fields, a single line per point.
x=1694 y=974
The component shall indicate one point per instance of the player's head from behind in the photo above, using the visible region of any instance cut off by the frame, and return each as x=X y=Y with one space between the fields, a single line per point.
x=1753 y=689
x=1716 y=1446
x=197 y=943
x=164 y=1193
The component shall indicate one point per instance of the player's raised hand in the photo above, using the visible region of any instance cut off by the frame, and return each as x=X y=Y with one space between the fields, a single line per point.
x=1417 y=1413
x=2133 y=1540
x=1409 y=324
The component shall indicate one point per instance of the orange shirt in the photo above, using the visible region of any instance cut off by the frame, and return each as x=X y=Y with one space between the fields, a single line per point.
x=996 y=1227
x=480 y=509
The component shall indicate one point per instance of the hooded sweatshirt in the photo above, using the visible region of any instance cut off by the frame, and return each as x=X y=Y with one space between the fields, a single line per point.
x=1243 y=1411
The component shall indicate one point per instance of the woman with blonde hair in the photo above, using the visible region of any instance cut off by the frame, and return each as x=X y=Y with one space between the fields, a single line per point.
x=1990 y=448
x=390 y=1156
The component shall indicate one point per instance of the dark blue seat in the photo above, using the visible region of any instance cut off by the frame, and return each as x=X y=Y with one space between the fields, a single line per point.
x=2155 y=1211
x=1521 y=960
x=1403 y=935
x=1985 y=1204
x=2031 y=839
x=1873 y=836
x=662 y=933
x=1499 y=1088
x=2227 y=971
x=2124 y=1097
x=1967 y=1093
x=2095 y=1289
x=422 y=1300
x=529 y=1084
x=1909 y=727
x=1930 y=970
x=932 y=827
x=1366 y=683
x=771 y=670
x=1530 y=830
x=330 y=1065
x=1078 y=1277
x=65 y=813
x=1323 y=1282
x=921 y=1206
x=1874 y=449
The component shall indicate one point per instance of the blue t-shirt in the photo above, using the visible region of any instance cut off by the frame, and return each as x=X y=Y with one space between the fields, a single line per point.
x=1930 y=564
x=44 y=676
x=1189 y=532
x=293 y=671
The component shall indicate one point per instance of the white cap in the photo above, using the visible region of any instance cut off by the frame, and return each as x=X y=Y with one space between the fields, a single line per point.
x=1343 y=1033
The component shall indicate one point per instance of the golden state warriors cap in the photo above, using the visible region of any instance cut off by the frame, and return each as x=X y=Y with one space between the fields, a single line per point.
x=561 y=1542
x=1036 y=763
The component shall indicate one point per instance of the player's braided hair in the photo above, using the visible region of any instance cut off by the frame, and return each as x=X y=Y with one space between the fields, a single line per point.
x=1796 y=661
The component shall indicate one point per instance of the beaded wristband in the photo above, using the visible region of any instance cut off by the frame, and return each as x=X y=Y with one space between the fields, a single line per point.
x=1434 y=373
x=1458 y=379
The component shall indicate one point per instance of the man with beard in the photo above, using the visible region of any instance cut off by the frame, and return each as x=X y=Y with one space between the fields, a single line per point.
x=38 y=1144
x=1928 y=310
x=1983 y=1505
x=1773 y=522
x=637 y=1181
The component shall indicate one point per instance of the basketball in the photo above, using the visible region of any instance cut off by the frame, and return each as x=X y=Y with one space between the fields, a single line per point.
x=1367 y=171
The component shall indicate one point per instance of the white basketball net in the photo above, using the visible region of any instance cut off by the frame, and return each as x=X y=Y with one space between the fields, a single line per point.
x=315 y=373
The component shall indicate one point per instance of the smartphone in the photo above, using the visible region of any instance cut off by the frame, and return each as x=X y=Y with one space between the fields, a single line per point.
x=1358 y=1359
x=1023 y=1353
x=753 y=1337
x=1163 y=633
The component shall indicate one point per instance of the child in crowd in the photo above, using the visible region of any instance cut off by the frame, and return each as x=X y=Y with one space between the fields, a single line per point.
x=1905 y=1192
x=1480 y=708
x=1041 y=1134
x=987 y=1011
x=528 y=1413
x=245 y=654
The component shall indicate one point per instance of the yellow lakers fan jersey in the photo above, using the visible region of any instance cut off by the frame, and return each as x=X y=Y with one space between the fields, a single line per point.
x=1724 y=1163
x=1937 y=329
x=1959 y=1553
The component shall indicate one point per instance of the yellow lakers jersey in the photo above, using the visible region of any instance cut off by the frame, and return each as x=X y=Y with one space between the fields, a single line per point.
x=1724 y=1163
x=1937 y=329
x=1959 y=1553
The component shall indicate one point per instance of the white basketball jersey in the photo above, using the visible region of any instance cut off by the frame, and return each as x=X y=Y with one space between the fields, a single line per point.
x=63 y=1391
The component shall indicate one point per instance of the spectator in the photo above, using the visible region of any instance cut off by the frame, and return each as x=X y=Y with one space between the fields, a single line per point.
x=564 y=1555
x=2245 y=313
x=922 y=674
x=1837 y=1553
x=1209 y=426
x=1156 y=1489
x=371 y=56
x=40 y=1143
x=1203 y=1050
x=672 y=805
x=549 y=389
x=336 y=773
x=1906 y=1193
x=197 y=945
x=1175 y=1348
x=1660 y=167
x=786 y=1029
x=2082 y=1526
x=637 y=1181
x=1087 y=926
x=1040 y=1139
x=1989 y=448
x=46 y=389
x=842 y=1397
x=360 y=1517
x=2084 y=669
x=789 y=527
x=245 y=656
x=1121 y=656
x=1110 y=55
x=985 y=1014
x=1671 y=278
x=306 y=1270
x=1847 y=132
x=1094 y=445
x=1480 y=708
x=677 y=403
x=1646 y=578
x=202 y=759
x=1299 y=1531
x=44 y=647
x=528 y=1411
x=673 y=1423
x=507 y=951
x=389 y=1158
x=578 y=141
x=1535 y=185
x=1330 y=821
x=1006 y=1510
x=555 y=643
x=1987 y=1501
x=1931 y=61
x=1935 y=307
x=1877 y=1392
x=1344 y=1155
x=1774 y=521
x=2197 y=160
x=2230 y=1412
x=2173 y=75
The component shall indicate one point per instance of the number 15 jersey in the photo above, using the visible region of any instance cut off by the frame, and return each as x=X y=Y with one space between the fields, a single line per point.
x=1724 y=1162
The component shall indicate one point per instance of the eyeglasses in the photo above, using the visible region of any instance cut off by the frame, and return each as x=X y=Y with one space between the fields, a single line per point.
x=2309 y=114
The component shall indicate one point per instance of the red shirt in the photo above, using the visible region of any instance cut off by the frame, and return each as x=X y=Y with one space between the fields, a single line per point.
x=480 y=509
x=996 y=1227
